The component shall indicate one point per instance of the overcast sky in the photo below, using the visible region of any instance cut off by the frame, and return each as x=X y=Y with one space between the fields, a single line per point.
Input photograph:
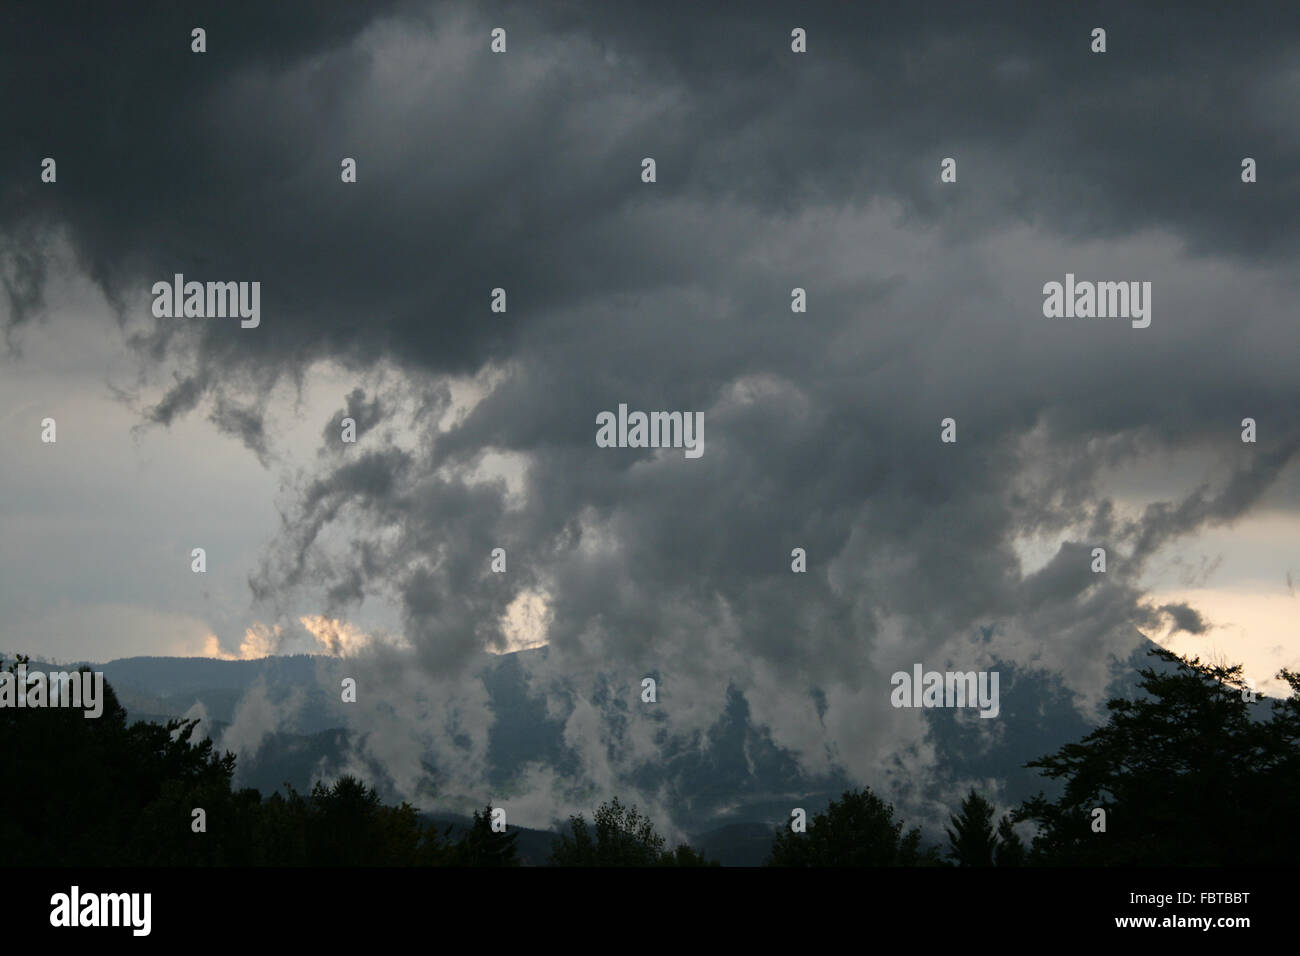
x=476 y=429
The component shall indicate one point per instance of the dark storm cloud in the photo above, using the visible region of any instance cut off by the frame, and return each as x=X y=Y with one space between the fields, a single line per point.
x=370 y=476
x=1084 y=144
x=364 y=413
x=226 y=164
x=117 y=98
x=247 y=423
x=1164 y=520
x=522 y=171
x=24 y=276
x=1185 y=618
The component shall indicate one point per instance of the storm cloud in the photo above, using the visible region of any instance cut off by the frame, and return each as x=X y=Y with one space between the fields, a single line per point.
x=775 y=170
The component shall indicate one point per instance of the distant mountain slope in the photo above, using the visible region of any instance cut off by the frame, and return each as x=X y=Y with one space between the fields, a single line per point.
x=736 y=844
x=731 y=792
x=533 y=846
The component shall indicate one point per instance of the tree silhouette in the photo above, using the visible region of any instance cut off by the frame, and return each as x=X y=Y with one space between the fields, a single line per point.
x=620 y=836
x=971 y=840
x=97 y=792
x=684 y=855
x=483 y=846
x=1190 y=773
x=857 y=830
x=1011 y=849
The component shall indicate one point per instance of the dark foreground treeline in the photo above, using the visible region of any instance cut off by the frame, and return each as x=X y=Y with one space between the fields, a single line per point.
x=1183 y=775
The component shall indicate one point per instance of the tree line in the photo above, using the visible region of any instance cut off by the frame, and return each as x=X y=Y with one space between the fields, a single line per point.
x=1190 y=772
